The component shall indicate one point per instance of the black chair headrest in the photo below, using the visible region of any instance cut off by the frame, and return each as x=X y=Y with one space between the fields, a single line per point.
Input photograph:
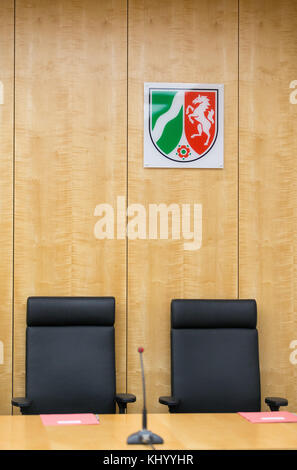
x=66 y=311
x=194 y=313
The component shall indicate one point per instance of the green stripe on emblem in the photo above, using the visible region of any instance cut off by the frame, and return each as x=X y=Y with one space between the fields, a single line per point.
x=169 y=129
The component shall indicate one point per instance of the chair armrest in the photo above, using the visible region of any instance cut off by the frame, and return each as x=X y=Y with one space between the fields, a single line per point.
x=171 y=402
x=275 y=402
x=21 y=402
x=122 y=399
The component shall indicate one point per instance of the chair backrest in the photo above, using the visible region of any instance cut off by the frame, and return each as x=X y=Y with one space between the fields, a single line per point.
x=70 y=355
x=214 y=356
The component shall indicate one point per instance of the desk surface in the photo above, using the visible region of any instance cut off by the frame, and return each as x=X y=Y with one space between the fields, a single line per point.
x=179 y=431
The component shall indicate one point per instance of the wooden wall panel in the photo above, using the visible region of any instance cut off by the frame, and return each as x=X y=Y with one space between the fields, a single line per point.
x=174 y=41
x=268 y=191
x=71 y=104
x=70 y=156
x=6 y=191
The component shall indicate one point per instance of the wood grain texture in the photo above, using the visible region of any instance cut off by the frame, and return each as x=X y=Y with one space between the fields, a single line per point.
x=205 y=431
x=179 y=41
x=70 y=156
x=268 y=190
x=6 y=203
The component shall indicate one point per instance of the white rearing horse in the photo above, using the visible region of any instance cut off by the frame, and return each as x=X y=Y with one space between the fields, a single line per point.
x=197 y=114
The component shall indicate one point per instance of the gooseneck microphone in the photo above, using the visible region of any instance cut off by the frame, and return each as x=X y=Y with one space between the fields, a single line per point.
x=144 y=436
x=144 y=412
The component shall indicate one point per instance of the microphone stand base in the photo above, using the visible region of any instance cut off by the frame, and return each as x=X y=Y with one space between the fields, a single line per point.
x=144 y=437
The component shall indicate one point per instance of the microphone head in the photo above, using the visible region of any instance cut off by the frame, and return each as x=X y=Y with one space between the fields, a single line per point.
x=140 y=350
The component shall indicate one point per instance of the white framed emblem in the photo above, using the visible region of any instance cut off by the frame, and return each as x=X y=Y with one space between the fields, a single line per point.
x=183 y=125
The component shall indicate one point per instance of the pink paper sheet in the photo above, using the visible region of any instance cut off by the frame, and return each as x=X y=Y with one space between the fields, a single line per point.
x=270 y=417
x=69 y=419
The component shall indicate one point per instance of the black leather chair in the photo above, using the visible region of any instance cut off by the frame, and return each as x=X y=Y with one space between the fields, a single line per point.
x=214 y=358
x=70 y=357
